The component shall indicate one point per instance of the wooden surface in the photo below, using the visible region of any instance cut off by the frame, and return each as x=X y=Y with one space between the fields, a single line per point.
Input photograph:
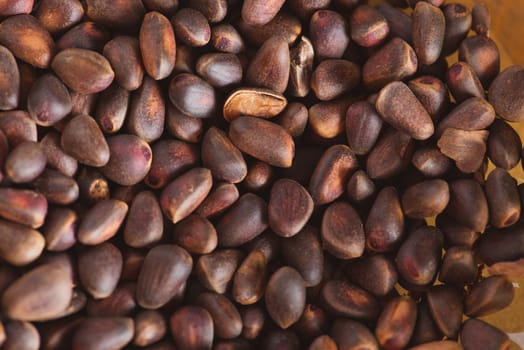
x=507 y=30
x=507 y=23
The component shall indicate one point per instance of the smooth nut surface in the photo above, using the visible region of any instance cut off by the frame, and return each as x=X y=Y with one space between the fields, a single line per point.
x=263 y=140
x=84 y=71
x=43 y=293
